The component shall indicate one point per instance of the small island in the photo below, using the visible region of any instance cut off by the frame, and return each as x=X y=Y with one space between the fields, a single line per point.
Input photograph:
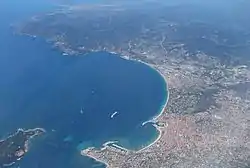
x=15 y=146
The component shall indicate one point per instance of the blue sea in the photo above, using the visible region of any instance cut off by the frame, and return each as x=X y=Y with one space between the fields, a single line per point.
x=71 y=97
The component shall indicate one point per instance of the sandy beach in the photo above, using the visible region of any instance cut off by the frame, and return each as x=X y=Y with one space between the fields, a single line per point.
x=155 y=118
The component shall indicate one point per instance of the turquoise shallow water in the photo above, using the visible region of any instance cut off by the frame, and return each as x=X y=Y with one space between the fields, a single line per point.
x=73 y=98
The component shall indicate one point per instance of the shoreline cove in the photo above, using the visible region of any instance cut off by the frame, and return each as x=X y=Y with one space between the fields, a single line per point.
x=150 y=120
x=153 y=121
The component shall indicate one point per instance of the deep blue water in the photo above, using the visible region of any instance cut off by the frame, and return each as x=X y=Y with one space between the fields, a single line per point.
x=72 y=97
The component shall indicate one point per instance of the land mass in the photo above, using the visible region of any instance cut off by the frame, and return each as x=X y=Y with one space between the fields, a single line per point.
x=201 y=51
x=15 y=146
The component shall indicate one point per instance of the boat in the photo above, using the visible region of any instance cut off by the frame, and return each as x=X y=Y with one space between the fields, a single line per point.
x=81 y=111
x=112 y=116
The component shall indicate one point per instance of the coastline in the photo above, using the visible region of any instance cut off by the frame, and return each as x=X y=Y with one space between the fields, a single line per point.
x=42 y=130
x=154 y=119
x=83 y=153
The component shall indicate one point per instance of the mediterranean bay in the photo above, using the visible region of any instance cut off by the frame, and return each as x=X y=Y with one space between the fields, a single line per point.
x=81 y=101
